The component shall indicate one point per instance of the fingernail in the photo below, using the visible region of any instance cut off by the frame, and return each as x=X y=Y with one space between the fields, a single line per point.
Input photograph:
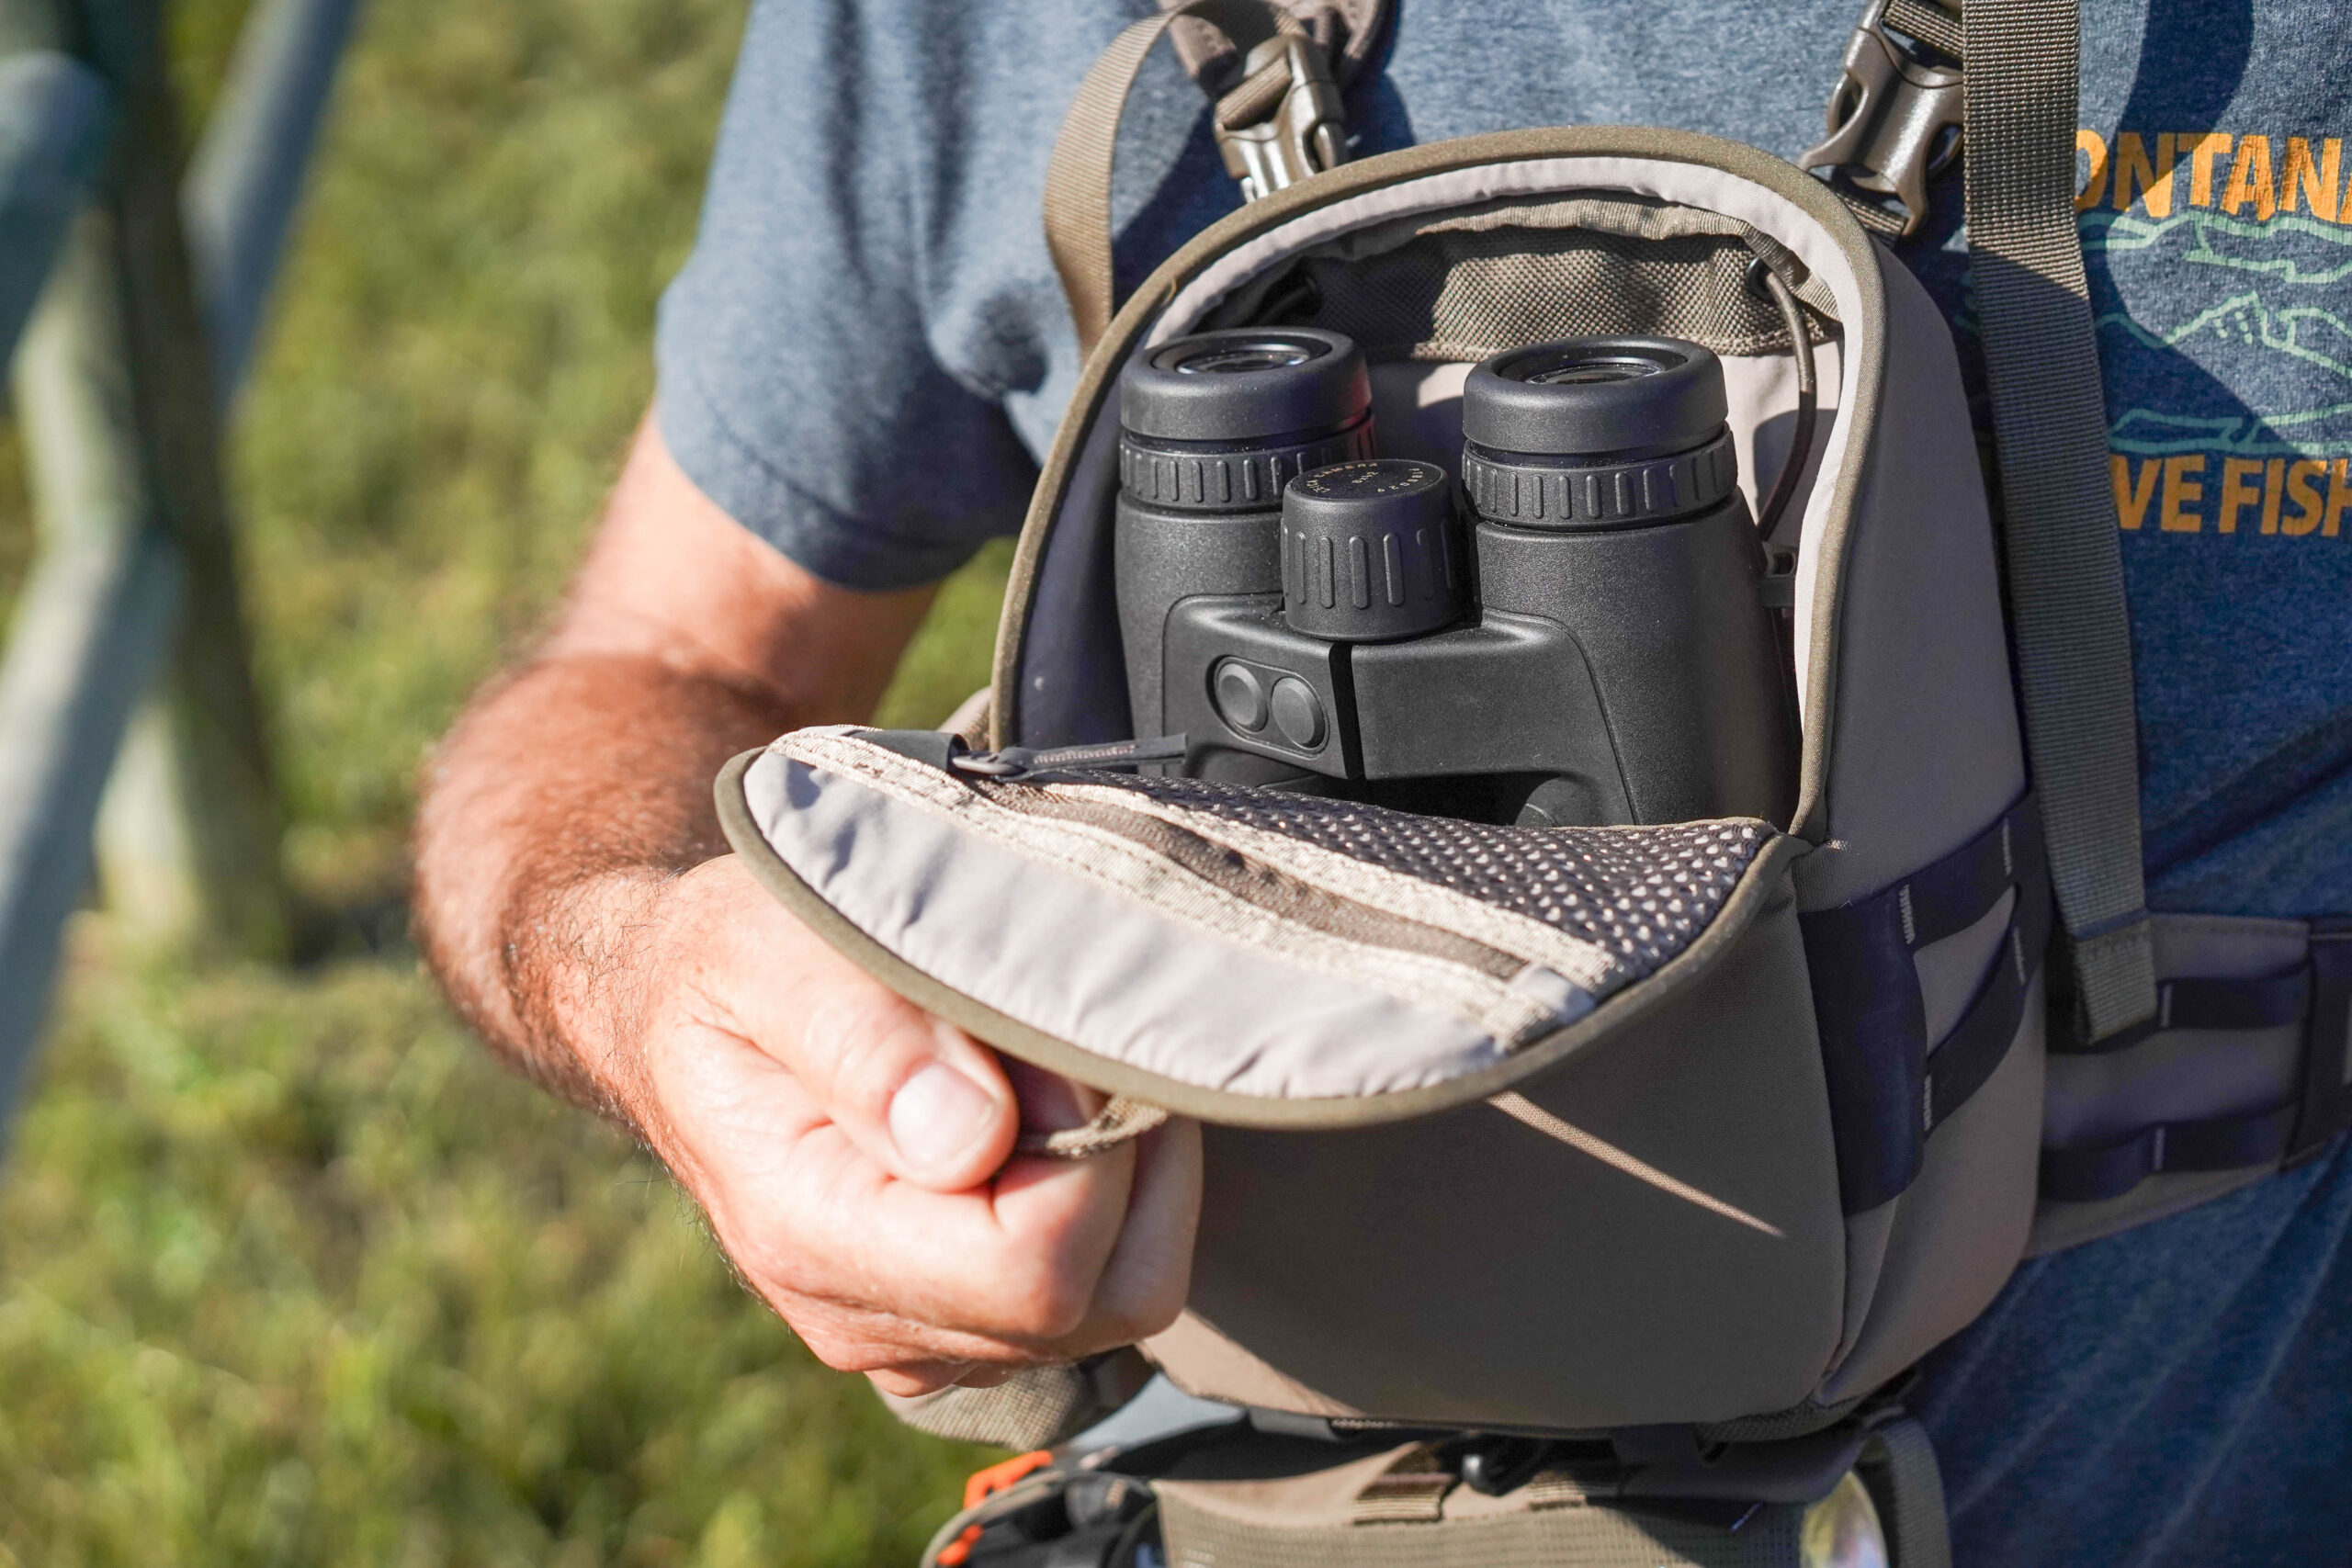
x=937 y=1115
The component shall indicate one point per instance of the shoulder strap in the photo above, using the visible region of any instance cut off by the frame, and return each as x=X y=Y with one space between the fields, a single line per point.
x=1077 y=175
x=1347 y=30
x=2065 y=568
x=1217 y=40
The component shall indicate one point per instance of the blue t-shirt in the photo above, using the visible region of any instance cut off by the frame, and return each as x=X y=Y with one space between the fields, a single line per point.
x=868 y=350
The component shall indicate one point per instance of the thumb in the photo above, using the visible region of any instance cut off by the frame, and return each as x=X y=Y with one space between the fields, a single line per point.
x=917 y=1095
x=921 y=1097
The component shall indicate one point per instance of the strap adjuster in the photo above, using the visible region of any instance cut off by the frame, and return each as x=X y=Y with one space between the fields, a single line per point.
x=1895 y=116
x=1284 y=121
x=2325 y=1107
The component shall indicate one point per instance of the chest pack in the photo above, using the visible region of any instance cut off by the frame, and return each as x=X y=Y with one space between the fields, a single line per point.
x=1513 y=710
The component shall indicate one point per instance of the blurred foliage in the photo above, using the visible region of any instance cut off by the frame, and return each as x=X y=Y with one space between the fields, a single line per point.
x=290 y=1274
x=289 y=1271
x=15 y=523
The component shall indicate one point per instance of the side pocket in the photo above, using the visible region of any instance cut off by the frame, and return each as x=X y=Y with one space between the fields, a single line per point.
x=1680 y=1260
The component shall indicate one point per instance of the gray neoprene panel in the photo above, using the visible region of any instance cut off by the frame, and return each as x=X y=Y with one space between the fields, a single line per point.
x=1469 y=1267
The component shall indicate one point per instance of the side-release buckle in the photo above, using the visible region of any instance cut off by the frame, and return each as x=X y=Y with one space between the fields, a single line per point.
x=1895 y=116
x=2326 y=1108
x=1284 y=121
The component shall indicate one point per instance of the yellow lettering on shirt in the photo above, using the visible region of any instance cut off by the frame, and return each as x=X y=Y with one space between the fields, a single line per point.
x=2094 y=186
x=2250 y=179
x=2339 y=497
x=2132 y=493
x=2131 y=166
x=2180 y=495
x=2200 y=149
x=2236 y=494
x=2316 y=184
x=2303 y=490
x=2271 y=490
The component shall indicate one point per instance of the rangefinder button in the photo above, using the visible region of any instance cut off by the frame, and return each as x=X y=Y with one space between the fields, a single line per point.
x=1241 y=697
x=1297 y=713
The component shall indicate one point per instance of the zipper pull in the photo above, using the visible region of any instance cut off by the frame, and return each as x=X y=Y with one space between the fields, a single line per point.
x=1016 y=762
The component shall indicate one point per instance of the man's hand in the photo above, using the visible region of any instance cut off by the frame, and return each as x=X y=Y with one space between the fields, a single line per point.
x=851 y=1152
x=579 y=904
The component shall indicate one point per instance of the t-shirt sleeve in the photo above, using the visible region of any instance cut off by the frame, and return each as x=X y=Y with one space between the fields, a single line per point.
x=798 y=387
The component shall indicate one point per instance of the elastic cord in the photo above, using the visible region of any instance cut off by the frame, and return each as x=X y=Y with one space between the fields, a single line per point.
x=1784 y=485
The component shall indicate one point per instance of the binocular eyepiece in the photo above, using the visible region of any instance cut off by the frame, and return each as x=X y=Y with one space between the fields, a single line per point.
x=1572 y=632
x=1221 y=421
x=1597 y=432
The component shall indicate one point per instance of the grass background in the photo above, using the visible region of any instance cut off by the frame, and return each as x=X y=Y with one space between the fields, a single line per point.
x=289 y=1271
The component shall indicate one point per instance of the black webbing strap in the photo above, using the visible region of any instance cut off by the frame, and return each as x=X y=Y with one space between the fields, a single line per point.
x=2326 y=1108
x=2065 y=568
x=1980 y=1041
x=2268 y=1001
x=2088 y=1174
x=2320 y=994
x=1889 y=1086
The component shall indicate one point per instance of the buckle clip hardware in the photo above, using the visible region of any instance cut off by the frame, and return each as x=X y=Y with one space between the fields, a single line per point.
x=1284 y=121
x=1895 y=118
x=2326 y=1105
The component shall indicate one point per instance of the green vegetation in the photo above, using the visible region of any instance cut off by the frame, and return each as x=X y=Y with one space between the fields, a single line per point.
x=289 y=1271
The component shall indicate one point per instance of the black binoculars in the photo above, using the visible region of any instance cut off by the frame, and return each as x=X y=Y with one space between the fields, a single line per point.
x=1572 y=630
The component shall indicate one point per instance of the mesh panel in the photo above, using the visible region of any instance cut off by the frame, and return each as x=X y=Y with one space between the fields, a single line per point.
x=1466 y=296
x=1641 y=893
x=1033 y=1408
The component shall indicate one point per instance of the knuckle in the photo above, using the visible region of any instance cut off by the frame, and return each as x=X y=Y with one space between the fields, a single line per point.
x=1141 y=1317
x=837 y=1340
x=829 y=1343
x=841 y=1355
x=859 y=1044
x=1041 y=1300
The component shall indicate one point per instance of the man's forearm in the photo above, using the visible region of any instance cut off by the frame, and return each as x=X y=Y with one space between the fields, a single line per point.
x=574 y=894
x=560 y=812
x=572 y=790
